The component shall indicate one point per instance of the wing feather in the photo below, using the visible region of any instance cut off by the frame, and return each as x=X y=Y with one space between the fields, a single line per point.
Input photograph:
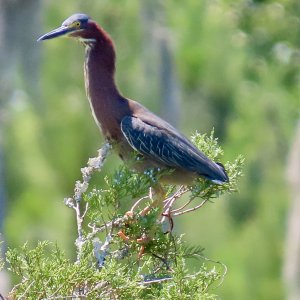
x=169 y=148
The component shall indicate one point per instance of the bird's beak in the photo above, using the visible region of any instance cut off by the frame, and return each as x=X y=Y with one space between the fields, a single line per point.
x=60 y=31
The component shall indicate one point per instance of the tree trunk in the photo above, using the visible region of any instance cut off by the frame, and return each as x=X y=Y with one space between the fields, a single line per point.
x=292 y=250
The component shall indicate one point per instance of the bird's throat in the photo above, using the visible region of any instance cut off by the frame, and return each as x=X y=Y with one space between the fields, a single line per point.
x=103 y=95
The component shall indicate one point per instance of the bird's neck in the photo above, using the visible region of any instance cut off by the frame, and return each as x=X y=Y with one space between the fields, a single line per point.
x=106 y=103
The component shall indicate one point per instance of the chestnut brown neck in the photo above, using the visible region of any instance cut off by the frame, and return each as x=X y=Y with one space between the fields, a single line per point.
x=107 y=105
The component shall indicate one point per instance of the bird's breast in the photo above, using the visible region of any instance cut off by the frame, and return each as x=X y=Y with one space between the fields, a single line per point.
x=87 y=85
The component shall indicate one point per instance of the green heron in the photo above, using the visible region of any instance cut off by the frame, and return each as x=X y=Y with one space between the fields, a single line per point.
x=128 y=125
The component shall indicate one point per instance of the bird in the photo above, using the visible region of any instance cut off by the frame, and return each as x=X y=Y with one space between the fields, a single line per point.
x=126 y=124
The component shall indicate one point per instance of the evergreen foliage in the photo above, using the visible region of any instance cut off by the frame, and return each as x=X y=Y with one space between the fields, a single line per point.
x=46 y=273
x=125 y=255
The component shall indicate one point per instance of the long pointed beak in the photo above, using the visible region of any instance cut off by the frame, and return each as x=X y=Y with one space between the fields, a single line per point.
x=60 y=31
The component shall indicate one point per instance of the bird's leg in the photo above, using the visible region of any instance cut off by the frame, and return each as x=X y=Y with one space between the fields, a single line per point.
x=167 y=219
x=156 y=195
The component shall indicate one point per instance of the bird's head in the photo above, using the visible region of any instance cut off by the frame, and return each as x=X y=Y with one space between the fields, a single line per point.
x=79 y=26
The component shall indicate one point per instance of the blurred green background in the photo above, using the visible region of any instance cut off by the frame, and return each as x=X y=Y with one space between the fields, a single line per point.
x=231 y=65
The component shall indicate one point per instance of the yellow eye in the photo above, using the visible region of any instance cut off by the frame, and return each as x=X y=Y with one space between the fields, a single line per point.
x=76 y=24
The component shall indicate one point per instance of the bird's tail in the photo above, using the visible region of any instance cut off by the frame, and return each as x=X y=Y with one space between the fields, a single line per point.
x=223 y=177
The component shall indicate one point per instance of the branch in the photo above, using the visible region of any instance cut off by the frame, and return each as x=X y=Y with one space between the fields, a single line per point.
x=190 y=209
x=169 y=202
x=136 y=204
x=94 y=164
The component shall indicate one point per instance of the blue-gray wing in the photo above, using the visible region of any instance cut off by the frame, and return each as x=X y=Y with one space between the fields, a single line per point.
x=169 y=148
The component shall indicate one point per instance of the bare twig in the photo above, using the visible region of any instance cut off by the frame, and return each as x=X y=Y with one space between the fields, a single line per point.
x=17 y=285
x=115 y=223
x=169 y=201
x=164 y=262
x=182 y=207
x=65 y=297
x=27 y=289
x=166 y=220
x=56 y=291
x=86 y=209
x=216 y=262
x=157 y=280
x=190 y=209
x=136 y=203
x=94 y=164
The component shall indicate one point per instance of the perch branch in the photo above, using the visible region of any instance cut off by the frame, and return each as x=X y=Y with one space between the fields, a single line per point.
x=190 y=209
x=94 y=164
